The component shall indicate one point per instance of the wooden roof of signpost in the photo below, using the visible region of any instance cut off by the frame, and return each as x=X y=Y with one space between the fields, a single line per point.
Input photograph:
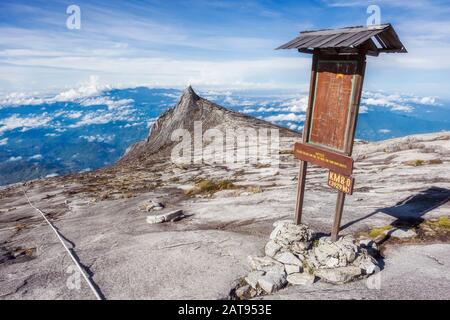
x=375 y=39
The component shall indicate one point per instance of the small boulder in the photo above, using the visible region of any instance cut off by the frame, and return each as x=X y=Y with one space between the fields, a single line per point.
x=401 y=233
x=149 y=205
x=169 y=216
x=253 y=277
x=329 y=254
x=339 y=275
x=272 y=282
x=369 y=265
x=301 y=278
x=291 y=236
x=155 y=219
x=288 y=258
x=272 y=248
x=264 y=264
x=290 y=268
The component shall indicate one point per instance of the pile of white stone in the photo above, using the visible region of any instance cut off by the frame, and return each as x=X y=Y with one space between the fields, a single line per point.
x=295 y=255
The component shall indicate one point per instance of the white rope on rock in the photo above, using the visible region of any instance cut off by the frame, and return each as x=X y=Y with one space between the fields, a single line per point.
x=83 y=272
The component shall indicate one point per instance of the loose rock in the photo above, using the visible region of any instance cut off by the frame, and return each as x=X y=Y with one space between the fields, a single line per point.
x=271 y=248
x=339 y=275
x=170 y=216
x=243 y=292
x=288 y=258
x=301 y=278
x=149 y=205
x=253 y=277
x=329 y=254
x=272 y=282
x=401 y=233
x=264 y=264
x=290 y=268
x=291 y=236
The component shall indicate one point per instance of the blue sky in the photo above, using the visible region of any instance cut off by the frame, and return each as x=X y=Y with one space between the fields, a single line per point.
x=210 y=44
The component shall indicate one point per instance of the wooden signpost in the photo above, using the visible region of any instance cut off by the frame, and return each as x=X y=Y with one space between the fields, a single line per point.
x=338 y=67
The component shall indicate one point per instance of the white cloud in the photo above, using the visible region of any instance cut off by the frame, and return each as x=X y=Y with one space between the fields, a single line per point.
x=294 y=126
x=99 y=138
x=74 y=115
x=91 y=88
x=286 y=117
x=87 y=94
x=11 y=159
x=394 y=102
x=297 y=104
x=384 y=131
x=27 y=123
x=36 y=157
x=20 y=98
x=99 y=117
x=264 y=73
x=51 y=175
x=111 y=104
x=363 y=109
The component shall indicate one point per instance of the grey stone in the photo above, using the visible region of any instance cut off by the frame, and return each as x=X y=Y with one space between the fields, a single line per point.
x=301 y=278
x=288 y=258
x=275 y=232
x=149 y=205
x=401 y=233
x=170 y=216
x=243 y=292
x=290 y=268
x=369 y=265
x=155 y=219
x=253 y=277
x=272 y=282
x=329 y=254
x=272 y=248
x=339 y=275
x=264 y=263
x=300 y=246
x=276 y=268
x=157 y=204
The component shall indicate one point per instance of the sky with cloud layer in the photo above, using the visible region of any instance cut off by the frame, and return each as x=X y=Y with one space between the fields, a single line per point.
x=210 y=44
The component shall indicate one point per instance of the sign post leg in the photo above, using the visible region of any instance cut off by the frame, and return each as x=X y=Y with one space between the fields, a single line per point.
x=300 y=191
x=338 y=216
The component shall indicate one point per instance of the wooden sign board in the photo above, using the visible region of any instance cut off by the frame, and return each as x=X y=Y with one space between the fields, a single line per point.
x=324 y=158
x=340 y=182
x=330 y=114
x=329 y=129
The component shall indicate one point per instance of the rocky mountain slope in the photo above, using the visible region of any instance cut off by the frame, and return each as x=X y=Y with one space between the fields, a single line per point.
x=189 y=109
x=229 y=211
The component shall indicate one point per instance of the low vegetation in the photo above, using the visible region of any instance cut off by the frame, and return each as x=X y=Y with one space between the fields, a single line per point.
x=442 y=222
x=209 y=187
x=375 y=232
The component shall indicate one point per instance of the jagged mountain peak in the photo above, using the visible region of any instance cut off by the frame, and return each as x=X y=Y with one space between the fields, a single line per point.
x=189 y=94
x=189 y=109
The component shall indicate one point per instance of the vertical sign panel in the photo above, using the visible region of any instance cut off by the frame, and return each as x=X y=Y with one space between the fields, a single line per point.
x=330 y=116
